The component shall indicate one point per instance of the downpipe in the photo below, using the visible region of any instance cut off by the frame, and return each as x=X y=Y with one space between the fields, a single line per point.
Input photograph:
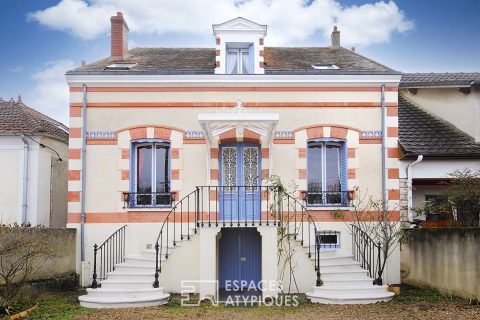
x=84 y=160
x=410 y=187
x=25 y=179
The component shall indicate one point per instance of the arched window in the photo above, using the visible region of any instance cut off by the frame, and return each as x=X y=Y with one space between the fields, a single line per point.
x=152 y=178
x=326 y=173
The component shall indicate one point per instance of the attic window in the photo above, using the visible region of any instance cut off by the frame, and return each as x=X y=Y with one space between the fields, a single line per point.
x=120 y=66
x=324 y=67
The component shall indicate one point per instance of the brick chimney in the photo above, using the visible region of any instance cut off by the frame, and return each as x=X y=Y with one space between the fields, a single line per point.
x=119 y=36
x=335 y=38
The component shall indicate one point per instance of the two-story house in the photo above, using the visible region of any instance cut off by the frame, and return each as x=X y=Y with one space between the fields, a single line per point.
x=172 y=151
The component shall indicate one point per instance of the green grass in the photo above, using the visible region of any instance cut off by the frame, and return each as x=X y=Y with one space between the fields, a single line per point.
x=410 y=293
x=62 y=305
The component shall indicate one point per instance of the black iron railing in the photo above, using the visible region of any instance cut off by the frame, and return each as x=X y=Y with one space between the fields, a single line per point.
x=147 y=199
x=367 y=252
x=327 y=198
x=109 y=253
x=235 y=206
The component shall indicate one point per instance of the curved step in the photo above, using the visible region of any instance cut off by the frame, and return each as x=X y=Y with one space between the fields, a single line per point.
x=359 y=274
x=127 y=301
x=350 y=296
x=347 y=283
x=121 y=293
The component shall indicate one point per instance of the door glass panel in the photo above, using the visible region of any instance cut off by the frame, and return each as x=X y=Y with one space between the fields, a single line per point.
x=250 y=168
x=144 y=175
x=229 y=167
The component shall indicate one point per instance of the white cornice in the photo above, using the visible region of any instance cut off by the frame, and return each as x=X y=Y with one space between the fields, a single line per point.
x=232 y=80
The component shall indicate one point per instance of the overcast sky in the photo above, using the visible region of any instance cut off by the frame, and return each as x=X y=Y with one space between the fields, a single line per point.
x=41 y=39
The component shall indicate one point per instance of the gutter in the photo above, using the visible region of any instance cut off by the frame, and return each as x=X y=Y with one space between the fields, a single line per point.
x=384 y=196
x=25 y=179
x=84 y=160
x=410 y=187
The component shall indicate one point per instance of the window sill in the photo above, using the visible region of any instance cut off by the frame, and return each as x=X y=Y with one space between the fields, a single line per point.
x=154 y=209
x=329 y=208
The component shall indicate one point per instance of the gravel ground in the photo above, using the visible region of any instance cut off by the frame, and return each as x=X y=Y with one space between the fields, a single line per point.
x=407 y=307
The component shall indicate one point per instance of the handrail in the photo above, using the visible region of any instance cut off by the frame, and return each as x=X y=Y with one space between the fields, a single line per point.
x=112 y=252
x=366 y=251
x=160 y=240
x=206 y=213
x=311 y=222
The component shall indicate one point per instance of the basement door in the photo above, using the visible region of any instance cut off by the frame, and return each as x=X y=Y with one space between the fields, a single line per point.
x=239 y=258
x=240 y=177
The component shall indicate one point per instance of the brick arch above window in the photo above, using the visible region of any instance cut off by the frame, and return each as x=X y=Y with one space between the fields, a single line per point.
x=159 y=131
x=320 y=131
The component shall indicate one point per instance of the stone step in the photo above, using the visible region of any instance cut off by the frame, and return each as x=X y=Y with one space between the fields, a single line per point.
x=126 y=301
x=340 y=268
x=352 y=290
x=127 y=284
x=137 y=276
x=351 y=296
x=359 y=274
x=347 y=283
x=134 y=293
x=134 y=268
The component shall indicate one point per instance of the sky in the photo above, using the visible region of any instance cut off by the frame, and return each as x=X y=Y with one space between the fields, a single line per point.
x=42 y=39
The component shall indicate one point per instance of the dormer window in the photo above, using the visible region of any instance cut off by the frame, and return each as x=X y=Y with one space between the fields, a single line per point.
x=238 y=61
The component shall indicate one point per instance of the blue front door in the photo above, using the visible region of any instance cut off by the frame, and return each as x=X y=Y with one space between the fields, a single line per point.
x=240 y=258
x=240 y=178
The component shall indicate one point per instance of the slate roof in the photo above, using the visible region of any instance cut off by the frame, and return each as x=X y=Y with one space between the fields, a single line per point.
x=16 y=118
x=421 y=133
x=418 y=80
x=278 y=60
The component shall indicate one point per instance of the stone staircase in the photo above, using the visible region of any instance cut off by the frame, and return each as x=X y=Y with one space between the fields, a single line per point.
x=346 y=282
x=129 y=285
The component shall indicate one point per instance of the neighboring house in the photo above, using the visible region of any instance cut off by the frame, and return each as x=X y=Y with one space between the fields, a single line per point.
x=33 y=167
x=439 y=132
x=178 y=143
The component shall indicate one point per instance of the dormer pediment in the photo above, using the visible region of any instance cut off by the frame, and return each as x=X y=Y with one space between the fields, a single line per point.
x=240 y=25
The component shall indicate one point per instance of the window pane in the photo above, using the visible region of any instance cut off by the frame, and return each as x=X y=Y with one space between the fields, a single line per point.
x=162 y=168
x=144 y=174
x=314 y=165
x=333 y=168
x=232 y=62
x=245 y=62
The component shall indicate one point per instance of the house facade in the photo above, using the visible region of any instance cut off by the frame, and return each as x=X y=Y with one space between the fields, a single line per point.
x=33 y=167
x=173 y=158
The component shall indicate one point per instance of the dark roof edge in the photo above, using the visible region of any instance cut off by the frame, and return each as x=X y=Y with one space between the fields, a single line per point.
x=411 y=155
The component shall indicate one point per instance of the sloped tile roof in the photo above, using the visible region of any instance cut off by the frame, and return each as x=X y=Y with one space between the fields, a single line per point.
x=418 y=80
x=285 y=60
x=421 y=133
x=16 y=117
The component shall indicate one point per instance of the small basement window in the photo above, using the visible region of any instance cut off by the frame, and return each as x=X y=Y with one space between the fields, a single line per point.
x=120 y=66
x=328 y=239
x=325 y=67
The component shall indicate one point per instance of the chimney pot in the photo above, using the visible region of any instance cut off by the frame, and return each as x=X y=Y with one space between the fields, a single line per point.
x=335 y=38
x=353 y=49
x=119 y=34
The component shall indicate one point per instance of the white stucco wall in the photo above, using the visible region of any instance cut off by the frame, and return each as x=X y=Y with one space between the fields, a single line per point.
x=39 y=196
x=461 y=110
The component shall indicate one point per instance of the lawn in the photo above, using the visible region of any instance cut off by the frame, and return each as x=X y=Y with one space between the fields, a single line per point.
x=413 y=303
